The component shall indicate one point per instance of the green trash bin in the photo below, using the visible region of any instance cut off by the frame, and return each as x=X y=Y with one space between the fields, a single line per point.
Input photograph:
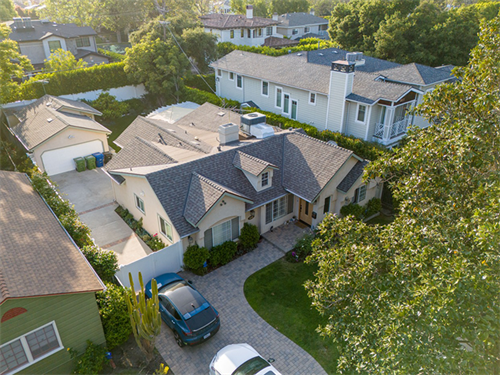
x=80 y=164
x=90 y=161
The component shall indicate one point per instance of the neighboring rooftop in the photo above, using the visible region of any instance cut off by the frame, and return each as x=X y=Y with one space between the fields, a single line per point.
x=301 y=19
x=416 y=74
x=275 y=42
x=352 y=176
x=41 y=29
x=37 y=256
x=235 y=21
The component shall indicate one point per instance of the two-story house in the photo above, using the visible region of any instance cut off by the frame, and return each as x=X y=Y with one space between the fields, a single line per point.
x=331 y=89
x=201 y=178
x=245 y=30
x=37 y=39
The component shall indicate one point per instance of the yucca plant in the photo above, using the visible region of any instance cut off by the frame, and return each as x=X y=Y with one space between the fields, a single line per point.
x=144 y=316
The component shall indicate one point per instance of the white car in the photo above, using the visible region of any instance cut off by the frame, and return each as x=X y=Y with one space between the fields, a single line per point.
x=241 y=359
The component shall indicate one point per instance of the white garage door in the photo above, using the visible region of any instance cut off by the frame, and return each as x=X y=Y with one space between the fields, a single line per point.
x=61 y=160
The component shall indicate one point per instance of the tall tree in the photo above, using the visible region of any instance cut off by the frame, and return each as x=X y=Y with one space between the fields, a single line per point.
x=61 y=60
x=200 y=46
x=289 y=6
x=9 y=53
x=6 y=10
x=81 y=12
x=422 y=294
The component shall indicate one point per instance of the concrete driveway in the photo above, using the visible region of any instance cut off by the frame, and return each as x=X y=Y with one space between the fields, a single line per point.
x=91 y=193
x=223 y=288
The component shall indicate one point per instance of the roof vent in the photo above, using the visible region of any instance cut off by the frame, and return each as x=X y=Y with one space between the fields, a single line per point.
x=50 y=119
x=192 y=124
x=299 y=54
x=171 y=130
x=221 y=114
x=18 y=22
x=321 y=54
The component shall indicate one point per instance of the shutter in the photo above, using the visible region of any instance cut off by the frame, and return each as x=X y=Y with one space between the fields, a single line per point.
x=235 y=227
x=290 y=204
x=208 y=238
x=269 y=213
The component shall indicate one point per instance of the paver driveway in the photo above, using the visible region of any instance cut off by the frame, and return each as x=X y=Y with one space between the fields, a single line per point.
x=92 y=194
x=223 y=288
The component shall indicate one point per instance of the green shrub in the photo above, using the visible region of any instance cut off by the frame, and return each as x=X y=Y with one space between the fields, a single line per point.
x=115 y=57
x=223 y=253
x=76 y=229
x=249 y=236
x=155 y=243
x=91 y=361
x=110 y=108
x=114 y=314
x=146 y=238
x=373 y=206
x=104 y=262
x=353 y=209
x=200 y=82
x=303 y=246
x=195 y=257
x=201 y=96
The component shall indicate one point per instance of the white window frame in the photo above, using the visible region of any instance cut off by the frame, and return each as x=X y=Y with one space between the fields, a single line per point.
x=262 y=88
x=264 y=178
x=230 y=232
x=276 y=97
x=171 y=239
x=230 y=74
x=296 y=111
x=357 y=194
x=52 y=50
x=295 y=31
x=306 y=29
x=27 y=350
x=83 y=39
x=289 y=103
x=219 y=72
x=138 y=200
x=358 y=111
x=269 y=31
x=313 y=102
x=240 y=79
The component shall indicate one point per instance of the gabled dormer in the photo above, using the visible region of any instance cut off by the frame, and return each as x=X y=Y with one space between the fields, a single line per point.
x=258 y=172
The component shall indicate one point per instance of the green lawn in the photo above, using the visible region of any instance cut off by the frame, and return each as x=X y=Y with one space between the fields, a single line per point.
x=117 y=128
x=277 y=294
x=381 y=219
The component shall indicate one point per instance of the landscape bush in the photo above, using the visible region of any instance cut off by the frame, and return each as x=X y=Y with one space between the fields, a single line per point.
x=249 y=237
x=373 y=206
x=114 y=314
x=200 y=82
x=109 y=106
x=115 y=57
x=222 y=254
x=104 y=262
x=195 y=257
x=302 y=248
x=201 y=96
x=353 y=209
x=90 y=362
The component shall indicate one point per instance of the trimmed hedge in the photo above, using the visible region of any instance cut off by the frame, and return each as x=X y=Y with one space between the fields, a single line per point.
x=249 y=237
x=104 y=262
x=197 y=82
x=97 y=77
x=222 y=254
x=195 y=257
x=115 y=57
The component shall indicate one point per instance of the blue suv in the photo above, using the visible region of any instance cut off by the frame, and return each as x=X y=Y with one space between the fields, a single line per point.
x=185 y=310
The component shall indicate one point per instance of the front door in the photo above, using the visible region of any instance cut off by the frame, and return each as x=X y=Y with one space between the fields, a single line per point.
x=305 y=212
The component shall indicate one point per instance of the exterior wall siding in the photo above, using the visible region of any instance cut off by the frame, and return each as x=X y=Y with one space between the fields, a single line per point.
x=225 y=36
x=351 y=125
x=77 y=320
x=336 y=101
x=61 y=140
x=34 y=51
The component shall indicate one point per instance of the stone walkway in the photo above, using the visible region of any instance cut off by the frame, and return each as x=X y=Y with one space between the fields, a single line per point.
x=285 y=236
x=223 y=288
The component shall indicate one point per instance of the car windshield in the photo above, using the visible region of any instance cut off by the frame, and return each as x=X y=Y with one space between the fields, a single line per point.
x=251 y=367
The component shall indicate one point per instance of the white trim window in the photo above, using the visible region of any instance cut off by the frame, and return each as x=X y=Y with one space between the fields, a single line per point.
x=306 y=30
x=83 y=41
x=269 y=31
x=286 y=103
x=166 y=228
x=361 y=113
x=359 y=194
x=295 y=108
x=231 y=76
x=265 y=179
x=239 y=81
x=219 y=73
x=279 y=208
x=295 y=31
x=32 y=347
x=265 y=88
x=279 y=97
x=312 y=98
x=223 y=232
x=139 y=203
x=54 y=45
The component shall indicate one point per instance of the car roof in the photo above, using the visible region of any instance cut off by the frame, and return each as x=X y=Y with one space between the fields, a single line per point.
x=232 y=356
x=184 y=297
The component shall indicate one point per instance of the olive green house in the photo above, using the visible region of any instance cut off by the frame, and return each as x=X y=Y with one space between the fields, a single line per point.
x=47 y=287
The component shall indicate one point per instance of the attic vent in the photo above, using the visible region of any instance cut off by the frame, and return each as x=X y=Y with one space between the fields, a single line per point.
x=221 y=114
x=335 y=51
x=321 y=54
x=299 y=54
x=50 y=119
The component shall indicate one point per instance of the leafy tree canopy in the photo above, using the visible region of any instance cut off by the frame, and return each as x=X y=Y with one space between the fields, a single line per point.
x=422 y=294
x=61 y=60
x=9 y=53
x=6 y=10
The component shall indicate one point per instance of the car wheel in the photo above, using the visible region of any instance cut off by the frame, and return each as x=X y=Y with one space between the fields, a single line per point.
x=178 y=339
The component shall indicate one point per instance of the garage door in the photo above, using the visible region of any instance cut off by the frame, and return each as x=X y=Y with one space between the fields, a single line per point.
x=61 y=160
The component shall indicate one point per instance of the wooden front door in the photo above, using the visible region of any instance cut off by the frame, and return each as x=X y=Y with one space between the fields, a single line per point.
x=305 y=211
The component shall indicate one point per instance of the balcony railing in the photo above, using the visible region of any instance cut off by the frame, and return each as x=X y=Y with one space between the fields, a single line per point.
x=388 y=132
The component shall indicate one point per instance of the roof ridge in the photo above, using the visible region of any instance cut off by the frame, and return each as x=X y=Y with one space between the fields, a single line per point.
x=254 y=158
x=212 y=183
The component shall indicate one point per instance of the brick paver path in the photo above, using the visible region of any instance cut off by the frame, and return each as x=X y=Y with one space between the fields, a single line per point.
x=223 y=288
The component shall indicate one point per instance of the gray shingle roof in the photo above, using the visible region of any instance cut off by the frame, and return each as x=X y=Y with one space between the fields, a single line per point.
x=234 y=21
x=37 y=257
x=416 y=74
x=305 y=166
x=40 y=122
x=352 y=176
x=250 y=164
x=209 y=117
x=367 y=89
x=42 y=30
x=203 y=193
x=290 y=70
x=139 y=153
x=275 y=42
x=301 y=19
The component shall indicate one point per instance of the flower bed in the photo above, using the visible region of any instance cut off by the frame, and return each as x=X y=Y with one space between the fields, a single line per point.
x=154 y=242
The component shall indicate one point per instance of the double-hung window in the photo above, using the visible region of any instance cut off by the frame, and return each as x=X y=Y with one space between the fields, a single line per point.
x=166 y=229
x=312 y=98
x=239 y=81
x=139 y=203
x=279 y=208
x=242 y=33
x=231 y=76
x=265 y=179
x=326 y=206
x=269 y=31
x=361 y=113
x=83 y=42
x=219 y=73
x=360 y=194
x=306 y=29
x=54 y=45
x=265 y=88
x=29 y=348
x=286 y=103
x=279 y=95
x=226 y=231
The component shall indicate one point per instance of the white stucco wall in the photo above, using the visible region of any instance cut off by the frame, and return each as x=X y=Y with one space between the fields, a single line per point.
x=238 y=39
